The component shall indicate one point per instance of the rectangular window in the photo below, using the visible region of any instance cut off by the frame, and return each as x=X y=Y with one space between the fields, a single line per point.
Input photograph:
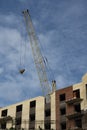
x=18 y=121
x=19 y=108
x=47 y=126
x=77 y=108
x=86 y=91
x=32 y=104
x=47 y=113
x=63 y=111
x=3 y=125
x=62 y=97
x=63 y=126
x=4 y=112
x=32 y=117
x=76 y=93
x=78 y=123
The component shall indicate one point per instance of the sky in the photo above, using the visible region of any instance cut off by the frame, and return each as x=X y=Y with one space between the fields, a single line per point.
x=61 y=27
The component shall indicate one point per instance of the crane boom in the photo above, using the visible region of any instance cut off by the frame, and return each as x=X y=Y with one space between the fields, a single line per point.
x=38 y=58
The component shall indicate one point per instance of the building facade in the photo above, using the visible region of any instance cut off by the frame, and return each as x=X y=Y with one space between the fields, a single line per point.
x=71 y=107
x=67 y=110
x=29 y=114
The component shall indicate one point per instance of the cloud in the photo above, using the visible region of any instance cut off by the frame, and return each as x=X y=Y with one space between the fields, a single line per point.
x=1 y=70
x=23 y=1
x=11 y=81
x=63 y=39
x=8 y=19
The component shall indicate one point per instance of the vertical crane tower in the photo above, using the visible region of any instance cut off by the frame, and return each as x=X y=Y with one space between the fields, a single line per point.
x=38 y=58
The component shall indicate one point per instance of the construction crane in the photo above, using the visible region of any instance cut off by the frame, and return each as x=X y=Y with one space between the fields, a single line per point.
x=37 y=55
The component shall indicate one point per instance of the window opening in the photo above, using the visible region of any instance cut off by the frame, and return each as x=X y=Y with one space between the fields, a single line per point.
x=3 y=125
x=32 y=117
x=47 y=126
x=62 y=97
x=4 y=112
x=63 y=111
x=78 y=123
x=47 y=113
x=86 y=91
x=18 y=121
x=77 y=108
x=76 y=93
x=63 y=126
x=32 y=104
x=19 y=108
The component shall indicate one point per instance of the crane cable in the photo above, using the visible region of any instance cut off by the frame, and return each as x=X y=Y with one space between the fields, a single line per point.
x=22 y=57
x=48 y=68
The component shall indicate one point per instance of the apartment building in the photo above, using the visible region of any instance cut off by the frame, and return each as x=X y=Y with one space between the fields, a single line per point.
x=67 y=110
x=71 y=107
x=30 y=114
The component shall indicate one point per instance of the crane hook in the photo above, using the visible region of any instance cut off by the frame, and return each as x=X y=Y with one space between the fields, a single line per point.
x=22 y=71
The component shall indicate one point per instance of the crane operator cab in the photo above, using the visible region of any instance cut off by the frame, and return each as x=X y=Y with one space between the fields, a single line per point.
x=22 y=71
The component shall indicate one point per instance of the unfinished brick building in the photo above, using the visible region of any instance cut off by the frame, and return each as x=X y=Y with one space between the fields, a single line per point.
x=71 y=107
x=67 y=110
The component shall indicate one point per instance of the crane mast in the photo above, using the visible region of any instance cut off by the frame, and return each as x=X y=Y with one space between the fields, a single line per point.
x=38 y=58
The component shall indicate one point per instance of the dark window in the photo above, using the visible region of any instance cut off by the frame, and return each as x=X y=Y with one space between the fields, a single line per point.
x=77 y=108
x=32 y=117
x=47 y=126
x=4 y=112
x=63 y=111
x=32 y=104
x=3 y=126
x=63 y=126
x=47 y=113
x=18 y=121
x=76 y=93
x=86 y=91
x=62 y=97
x=19 y=108
x=78 y=123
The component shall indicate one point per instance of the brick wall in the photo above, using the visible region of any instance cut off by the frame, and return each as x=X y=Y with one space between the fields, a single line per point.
x=68 y=95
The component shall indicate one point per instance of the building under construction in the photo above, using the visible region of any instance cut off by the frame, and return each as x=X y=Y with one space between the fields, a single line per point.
x=62 y=109
x=67 y=110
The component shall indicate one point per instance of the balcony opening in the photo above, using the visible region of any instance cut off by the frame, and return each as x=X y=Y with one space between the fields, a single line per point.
x=62 y=97
x=47 y=113
x=78 y=123
x=3 y=125
x=4 y=112
x=32 y=117
x=47 y=126
x=77 y=108
x=18 y=121
x=32 y=104
x=19 y=108
x=63 y=111
x=76 y=93
x=63 y=126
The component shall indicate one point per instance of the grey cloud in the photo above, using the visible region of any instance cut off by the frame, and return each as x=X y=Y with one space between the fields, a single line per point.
x=62 y=31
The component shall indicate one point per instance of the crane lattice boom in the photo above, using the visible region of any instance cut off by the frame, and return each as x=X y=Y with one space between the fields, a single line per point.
x=38 y=58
